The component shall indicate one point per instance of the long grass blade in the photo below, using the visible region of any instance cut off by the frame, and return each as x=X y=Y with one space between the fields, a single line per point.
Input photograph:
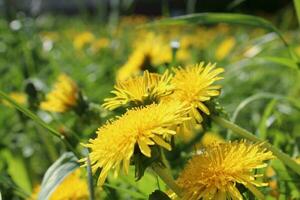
x=297 y=8
x=37 y=120
x=214 y=18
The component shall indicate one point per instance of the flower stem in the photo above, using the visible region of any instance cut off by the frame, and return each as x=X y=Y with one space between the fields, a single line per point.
x=286 y=159
x=166 y=176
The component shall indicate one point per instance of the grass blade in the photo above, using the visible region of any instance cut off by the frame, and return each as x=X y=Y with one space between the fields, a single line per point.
x=262 y=127
x=214 y=18
x=297 y=8
x=29 y=114
x=37 y=120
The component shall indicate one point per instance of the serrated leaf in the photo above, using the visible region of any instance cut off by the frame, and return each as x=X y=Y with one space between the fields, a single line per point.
x=55 y=174
x=158 y=195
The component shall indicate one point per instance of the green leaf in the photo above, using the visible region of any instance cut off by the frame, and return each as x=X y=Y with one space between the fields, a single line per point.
x=281 y=61
x=262 y=128
x=158 y=195
x=135 y=195
x=55 y=174
x=297 y=8
x=214 y=18
x=17 y=170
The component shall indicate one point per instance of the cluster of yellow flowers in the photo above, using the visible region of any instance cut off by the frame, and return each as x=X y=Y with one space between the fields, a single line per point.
x=160 y=107
x=157 y=48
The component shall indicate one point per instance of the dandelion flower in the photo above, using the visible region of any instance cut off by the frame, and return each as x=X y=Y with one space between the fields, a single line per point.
x=225 y=48
x=18 y=97
x=210 y=138
x=150 y=51
x=63 y=95
x=138 y=61
x=215 y=172
x=140 y=89
x=73 y=187
x=139 y=127
x=83 y=39
x=194 y=85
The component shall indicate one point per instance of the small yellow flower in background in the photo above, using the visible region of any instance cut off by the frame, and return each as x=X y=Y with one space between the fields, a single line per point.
x=139 y=90
x=272 y=182
x=225 y=48
x=138 y=61
x=143 y=127
x=83 y=39
x=150 y=51
x=100 y=44
x=214 y=173
x=193 y=85
x=73 y=187
x=63 y=95
x=18 y=97
x=210 y=138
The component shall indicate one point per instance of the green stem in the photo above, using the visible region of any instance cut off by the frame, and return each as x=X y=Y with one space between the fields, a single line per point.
x=297 y=8
x=287 y=160
x=166 y=176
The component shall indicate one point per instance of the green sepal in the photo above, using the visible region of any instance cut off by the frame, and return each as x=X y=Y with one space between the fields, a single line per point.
x=141 y=162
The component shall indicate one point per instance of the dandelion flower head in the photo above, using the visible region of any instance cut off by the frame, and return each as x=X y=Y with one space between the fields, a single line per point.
x=193 y=85
x=139 y=90
x=225 y=48
x=83 y=39
x=139 y=127
x=63 y=95
x=18 y=97
x=215 y=172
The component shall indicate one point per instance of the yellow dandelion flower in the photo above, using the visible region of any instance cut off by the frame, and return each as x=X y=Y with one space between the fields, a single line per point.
x=63 y=95
x=193 y=86
x=18 y=97
x=100 y=44
x=142 y=127
x=225 y=48
x=210 y=138
x=150 y=50
x=83 y=39
x=73 y=187
x=270 y=173
x=138 y=61
x=214 y=173
x=140 y=89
